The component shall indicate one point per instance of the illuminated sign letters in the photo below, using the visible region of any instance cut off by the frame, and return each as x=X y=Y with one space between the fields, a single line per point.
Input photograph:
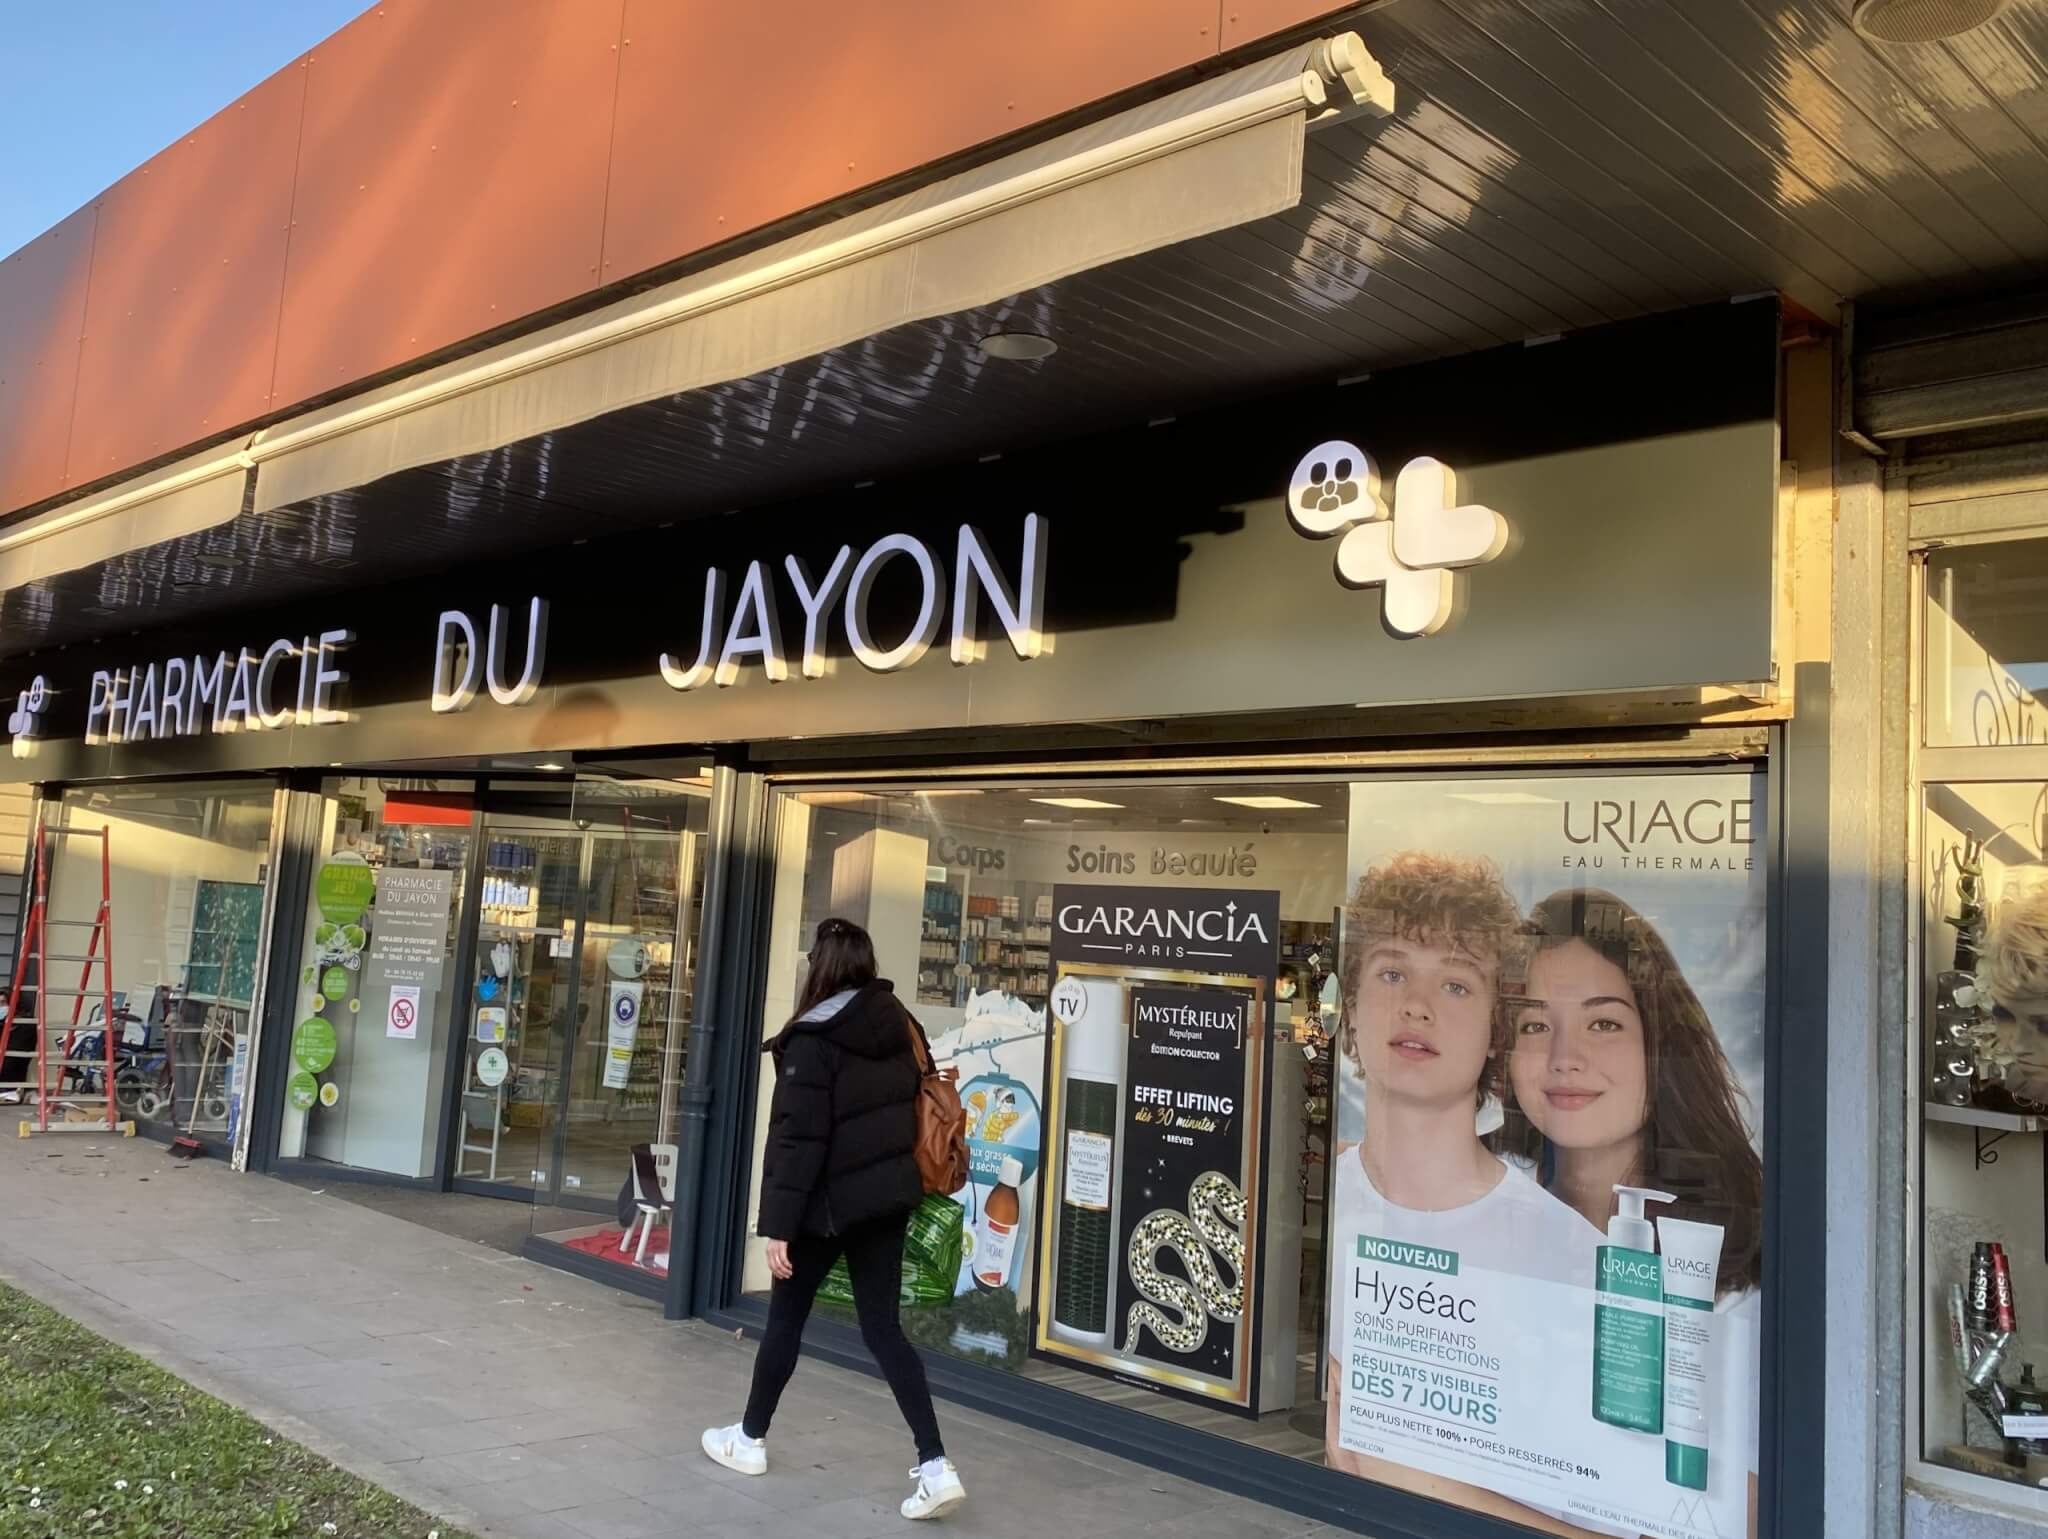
x=290 y=683
x=458 y=660
x=753 y=628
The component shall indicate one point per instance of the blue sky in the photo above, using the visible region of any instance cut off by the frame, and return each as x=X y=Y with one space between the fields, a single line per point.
x=89 y=89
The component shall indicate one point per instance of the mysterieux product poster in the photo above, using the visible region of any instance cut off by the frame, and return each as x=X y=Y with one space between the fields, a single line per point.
x=1547 y=1186
x=1154 y=1097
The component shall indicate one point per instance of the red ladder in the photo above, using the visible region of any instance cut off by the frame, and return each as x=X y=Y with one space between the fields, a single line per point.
x=61 y=1080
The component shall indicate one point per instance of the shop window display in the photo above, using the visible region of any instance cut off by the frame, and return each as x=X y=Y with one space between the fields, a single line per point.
x=378 y=939
x=1984 y=1096
x=1981 y=1080
x=508 y=967
x=1408 y=1127
x=189 y=873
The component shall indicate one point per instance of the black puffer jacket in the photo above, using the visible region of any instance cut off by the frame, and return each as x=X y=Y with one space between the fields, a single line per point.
x=843 y=1121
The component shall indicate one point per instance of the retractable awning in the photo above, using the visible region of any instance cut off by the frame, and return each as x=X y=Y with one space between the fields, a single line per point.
x=184 y=497
x=1222 y=153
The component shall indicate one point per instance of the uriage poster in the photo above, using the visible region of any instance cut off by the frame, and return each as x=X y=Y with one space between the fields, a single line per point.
x=1552 y=1017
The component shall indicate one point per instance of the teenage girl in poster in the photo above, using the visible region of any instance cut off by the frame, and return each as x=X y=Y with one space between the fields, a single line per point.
x=1616 y=1077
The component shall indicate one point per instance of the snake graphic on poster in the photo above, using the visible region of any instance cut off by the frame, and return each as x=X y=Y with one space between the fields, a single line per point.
x=1214 y=1222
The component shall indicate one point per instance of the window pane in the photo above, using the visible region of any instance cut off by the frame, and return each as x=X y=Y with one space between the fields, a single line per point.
x=1987 y=645
x=189 y=868
x=1985 y=1098
x=1298 y=1113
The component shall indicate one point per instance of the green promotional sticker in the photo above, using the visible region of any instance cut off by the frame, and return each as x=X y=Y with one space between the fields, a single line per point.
x=343 y=889
x=302 y=1090
x=313 y=1045
x=334 y=982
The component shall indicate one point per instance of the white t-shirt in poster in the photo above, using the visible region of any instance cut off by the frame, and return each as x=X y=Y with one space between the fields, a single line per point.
x=1517 y=1227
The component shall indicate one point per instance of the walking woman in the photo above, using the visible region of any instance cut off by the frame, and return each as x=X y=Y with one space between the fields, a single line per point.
x=840 y=1178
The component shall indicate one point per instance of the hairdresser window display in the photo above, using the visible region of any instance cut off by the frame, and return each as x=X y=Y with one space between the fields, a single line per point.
x=1985 y=1098
x=1546 y=1193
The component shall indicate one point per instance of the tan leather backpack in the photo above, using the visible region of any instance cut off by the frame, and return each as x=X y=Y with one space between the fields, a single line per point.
x=941 y=1120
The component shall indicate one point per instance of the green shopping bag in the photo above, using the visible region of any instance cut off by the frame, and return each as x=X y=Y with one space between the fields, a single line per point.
x=931 y=1257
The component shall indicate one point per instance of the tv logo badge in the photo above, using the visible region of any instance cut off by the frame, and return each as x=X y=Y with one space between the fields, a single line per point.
x=1411 y=551
x=27 y=721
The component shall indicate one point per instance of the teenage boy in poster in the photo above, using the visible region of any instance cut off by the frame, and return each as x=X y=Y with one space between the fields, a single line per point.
x=1423 y=939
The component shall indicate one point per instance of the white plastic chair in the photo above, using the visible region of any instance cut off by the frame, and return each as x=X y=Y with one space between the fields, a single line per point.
x=651 y=1207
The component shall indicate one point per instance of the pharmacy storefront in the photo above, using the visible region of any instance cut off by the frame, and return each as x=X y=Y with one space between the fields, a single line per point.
x=1339 y=839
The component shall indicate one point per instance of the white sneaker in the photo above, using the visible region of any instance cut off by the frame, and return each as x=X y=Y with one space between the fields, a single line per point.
x=938 y=1490
x=732 y=1447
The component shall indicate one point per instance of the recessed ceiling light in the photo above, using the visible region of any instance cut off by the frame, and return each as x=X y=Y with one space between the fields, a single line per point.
x=1075 y=801
x=961 y=791
x=1266 y=803
x=1921 y=21
x=550 y=765
x=1018 y=346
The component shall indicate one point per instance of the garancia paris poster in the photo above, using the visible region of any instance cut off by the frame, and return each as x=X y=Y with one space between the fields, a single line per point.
x=1546 y=1192
x=1154 y=1098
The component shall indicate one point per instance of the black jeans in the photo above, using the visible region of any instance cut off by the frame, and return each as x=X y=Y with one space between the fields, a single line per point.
x=874 y=1259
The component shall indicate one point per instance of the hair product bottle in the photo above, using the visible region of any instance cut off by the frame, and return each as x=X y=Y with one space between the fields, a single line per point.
x=2004 y=1312
x=1091 y=1015
x=996 y=1246
x=1628 y=1318
x=1980 y=1301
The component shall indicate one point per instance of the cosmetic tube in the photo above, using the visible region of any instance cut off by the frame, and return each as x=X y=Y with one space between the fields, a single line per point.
x=1692 y=1261
x=1084 y=1236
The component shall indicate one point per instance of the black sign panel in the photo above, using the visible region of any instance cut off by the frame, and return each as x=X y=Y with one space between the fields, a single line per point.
x=1218 y=563
x=1155 y=1097
x=1183 y=1235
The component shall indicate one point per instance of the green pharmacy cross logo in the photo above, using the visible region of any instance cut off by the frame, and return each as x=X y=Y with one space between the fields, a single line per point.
x=27 y=720
x=1411 y=551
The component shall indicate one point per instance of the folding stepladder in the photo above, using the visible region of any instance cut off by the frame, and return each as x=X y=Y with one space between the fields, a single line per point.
x=63 y=1103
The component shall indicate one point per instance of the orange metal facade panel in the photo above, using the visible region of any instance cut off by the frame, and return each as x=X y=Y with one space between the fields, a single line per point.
x=452 y=179
x=734 y=115
x=42 y=312
x=1246 y=21
x=188 y=265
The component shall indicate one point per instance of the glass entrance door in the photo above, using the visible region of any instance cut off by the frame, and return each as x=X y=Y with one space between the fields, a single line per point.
x=619 y=1064
x=579 y=1006
x=522 y=1010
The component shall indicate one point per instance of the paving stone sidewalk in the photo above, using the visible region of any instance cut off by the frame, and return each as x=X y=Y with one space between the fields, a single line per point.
x=503 y=1395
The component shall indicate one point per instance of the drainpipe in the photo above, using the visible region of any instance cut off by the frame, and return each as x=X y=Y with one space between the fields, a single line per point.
x=715 y=923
